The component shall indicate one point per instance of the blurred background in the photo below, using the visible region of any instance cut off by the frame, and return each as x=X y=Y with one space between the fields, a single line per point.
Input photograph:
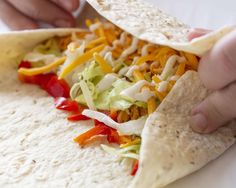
x=210 y=14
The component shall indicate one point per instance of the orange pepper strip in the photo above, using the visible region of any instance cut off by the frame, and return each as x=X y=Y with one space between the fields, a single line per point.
x=97 y=130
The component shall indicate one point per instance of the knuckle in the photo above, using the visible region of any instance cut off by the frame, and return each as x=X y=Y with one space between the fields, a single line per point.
x=214 y=110
x=36 y=13
x=231 y=96
x=228 y=62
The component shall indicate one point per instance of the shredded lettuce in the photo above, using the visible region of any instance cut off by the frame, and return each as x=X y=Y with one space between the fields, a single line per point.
x=87 y=95
x=38 y=59
x=93 y=73
x=129 y=152
x=71 y=54
x=45 y=53
x=106 y=82
x=111 y=98
x=49 y=47
x=103 y=99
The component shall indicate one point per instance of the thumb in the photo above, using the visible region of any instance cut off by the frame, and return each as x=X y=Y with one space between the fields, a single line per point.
x=216 y=110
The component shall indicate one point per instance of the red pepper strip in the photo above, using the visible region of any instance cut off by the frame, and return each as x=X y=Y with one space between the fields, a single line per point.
x=58 y=88
x=97 y=130
x=26 y=79
x=62 y=103
x=135 y=168
x=113 y=137
x=77 y=117
x=43 y=79
x=25 y=64
x=48 y=82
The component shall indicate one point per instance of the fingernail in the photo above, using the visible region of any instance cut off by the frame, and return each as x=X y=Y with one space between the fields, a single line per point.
x=198 y=122
x=63 y=23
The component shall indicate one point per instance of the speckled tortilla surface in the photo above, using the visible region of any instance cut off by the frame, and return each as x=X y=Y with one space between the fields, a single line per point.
x=170 y=149
x=36 y=140
x=147 y=22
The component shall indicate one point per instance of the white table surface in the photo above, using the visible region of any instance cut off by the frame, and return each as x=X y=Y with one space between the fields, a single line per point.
x=212 y=14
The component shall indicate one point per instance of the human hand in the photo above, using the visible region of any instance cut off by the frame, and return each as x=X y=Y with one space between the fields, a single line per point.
x=217 y=70
x=26 y=14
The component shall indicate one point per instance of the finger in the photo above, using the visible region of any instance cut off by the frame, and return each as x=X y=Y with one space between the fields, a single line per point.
x=9 y=14
x=217 y=69
x=45 y=11
x=195 y=33
x=215 y=111
x=69 y=5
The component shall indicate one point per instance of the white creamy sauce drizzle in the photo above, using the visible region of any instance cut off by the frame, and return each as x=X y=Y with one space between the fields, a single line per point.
x=123 y=71
x=134 y=92
x=121 y=41
x=144 y=50
x=130 y=50
x=144 y=95
x=131 y=70
x=174 y=78
x=135 y=67
x=35 y=57
x=106 y=82
x=105 y=51
x=108 y=25
x=108 y=57
x=143 y=66
x=89 y=37
x=95 y=26
x=135 y=59
x=169 y=68
x=162 y=86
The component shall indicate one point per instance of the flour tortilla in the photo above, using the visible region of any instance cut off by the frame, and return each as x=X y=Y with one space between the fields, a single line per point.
x=151 y=24
x=36 y=147
x=170 y=149
x=17 y=43
x=36 y=140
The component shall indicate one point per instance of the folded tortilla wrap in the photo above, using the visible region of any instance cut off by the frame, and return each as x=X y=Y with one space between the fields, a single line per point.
x=149 y=23
x=35 y=140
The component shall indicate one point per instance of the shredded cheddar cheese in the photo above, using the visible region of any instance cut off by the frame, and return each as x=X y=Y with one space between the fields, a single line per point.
x=181 y=69
x=138 y=75
x=106 y=68
x=40 y=70
x=95 y=42
x=152 y=105
x=150 y=72
x=156 y=79
x=88 y=23
x=144 y=59
x=159 y=95
x=80 y=60
x=192 y=60
x=134 y=142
